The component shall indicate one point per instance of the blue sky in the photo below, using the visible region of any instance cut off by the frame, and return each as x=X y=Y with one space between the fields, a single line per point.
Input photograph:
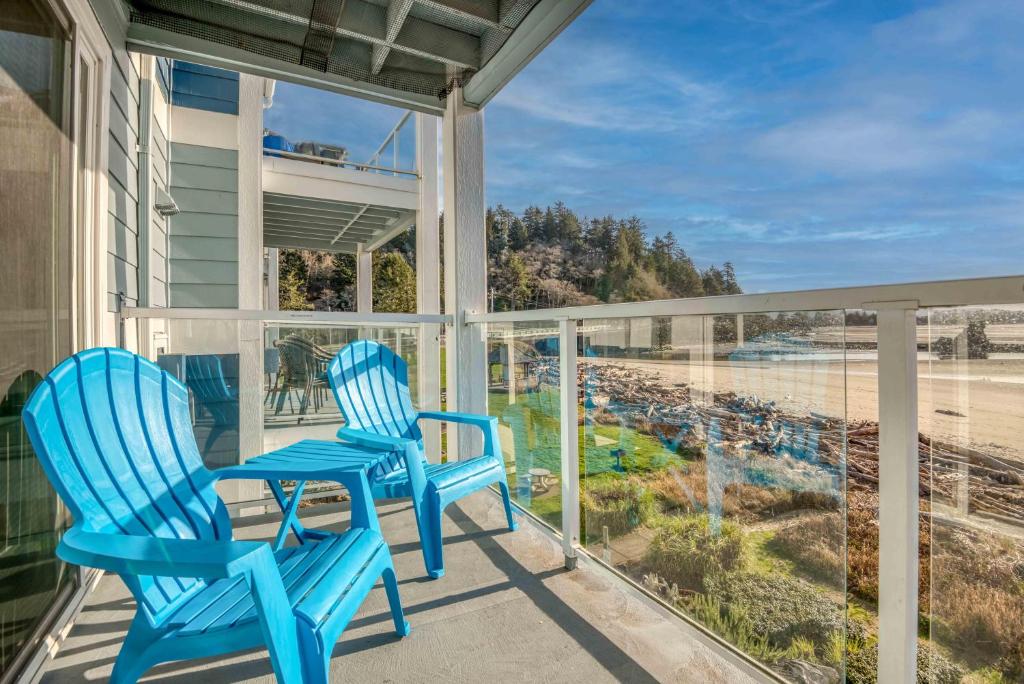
x=812 y=143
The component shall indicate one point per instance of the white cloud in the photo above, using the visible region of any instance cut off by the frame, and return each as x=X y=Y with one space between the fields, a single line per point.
x=596 y=85
x=881 y=140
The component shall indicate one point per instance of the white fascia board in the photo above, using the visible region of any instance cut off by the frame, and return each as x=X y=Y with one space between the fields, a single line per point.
x=208 y=129
x=320 y=181
x=537 y=30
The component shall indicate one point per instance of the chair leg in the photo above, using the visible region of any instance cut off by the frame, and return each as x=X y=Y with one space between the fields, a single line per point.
x=131 y=661
x=391 y=587
x=316 y=663
x=434 y=520
x=512 y=524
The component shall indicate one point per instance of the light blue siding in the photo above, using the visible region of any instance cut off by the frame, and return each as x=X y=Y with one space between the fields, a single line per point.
x=123 y=228
x=203 y=240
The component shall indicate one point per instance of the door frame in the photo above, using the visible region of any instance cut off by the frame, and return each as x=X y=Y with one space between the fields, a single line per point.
x=88 y=219
x=90 y=192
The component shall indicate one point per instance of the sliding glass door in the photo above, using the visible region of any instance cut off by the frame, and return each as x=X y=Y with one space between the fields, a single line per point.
x=35 y=307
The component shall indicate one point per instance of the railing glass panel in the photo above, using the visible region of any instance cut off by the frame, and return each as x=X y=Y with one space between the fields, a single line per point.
x=524 y=395
x=714 y=474
x=256 y=386
x=971 y=417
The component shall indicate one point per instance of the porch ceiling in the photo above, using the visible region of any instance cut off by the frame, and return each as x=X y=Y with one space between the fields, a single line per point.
x=406 y=52
x=291 y=221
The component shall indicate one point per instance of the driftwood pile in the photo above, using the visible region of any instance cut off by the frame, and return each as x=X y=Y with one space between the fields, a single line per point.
x=756 y=427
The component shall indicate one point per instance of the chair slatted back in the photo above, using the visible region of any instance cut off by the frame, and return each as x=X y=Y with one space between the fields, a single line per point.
x=371 y=385
x=204 y=375
x=113 y=434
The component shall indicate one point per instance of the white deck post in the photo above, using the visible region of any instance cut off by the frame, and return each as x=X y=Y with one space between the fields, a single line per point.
x=273 y=301
x=364 y=281
x=465 y=263
x=428 y=282
x=250 y=278
x=898 y=491
x=569 y=437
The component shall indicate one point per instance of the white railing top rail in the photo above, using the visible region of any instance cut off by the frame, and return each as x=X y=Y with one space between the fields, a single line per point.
x=306 y=317
x=968 y=292
x=342 y=163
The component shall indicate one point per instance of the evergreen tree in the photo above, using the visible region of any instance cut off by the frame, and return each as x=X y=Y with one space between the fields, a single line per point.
x=291 y=291
x=394 y=284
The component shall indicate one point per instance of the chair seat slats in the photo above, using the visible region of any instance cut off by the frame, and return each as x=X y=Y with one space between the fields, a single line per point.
x=309 y=572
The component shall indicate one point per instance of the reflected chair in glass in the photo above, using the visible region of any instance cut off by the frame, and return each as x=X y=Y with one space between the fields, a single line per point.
x=303 y=365
x=371 y=385
x=113 y=435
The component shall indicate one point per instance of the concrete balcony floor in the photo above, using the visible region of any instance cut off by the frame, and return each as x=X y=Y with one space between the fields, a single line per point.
x=506 y=611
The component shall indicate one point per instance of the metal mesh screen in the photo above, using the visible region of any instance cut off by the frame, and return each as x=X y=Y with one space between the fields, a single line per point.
x=415 y=46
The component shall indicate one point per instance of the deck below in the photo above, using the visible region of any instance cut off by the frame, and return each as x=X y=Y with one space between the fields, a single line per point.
x=506 y=611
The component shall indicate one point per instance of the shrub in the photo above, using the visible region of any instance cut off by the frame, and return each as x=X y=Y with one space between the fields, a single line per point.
x=687 y=549
x=932 y=666
x=620 y=504
x=732 y=625
x=782 y=607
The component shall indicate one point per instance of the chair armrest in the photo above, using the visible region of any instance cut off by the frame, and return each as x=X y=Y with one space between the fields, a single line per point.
x=374 y=441
x=477 y=419
x=136 y=555
x=408 y=448
x=487 y=424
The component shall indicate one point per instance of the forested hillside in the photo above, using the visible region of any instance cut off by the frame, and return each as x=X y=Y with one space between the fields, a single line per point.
x=541 y=258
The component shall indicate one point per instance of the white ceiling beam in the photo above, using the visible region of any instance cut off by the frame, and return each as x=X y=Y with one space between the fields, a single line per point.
x=398 y=10
x=161 y=42
x=349 y=224
x=392 y=232
x=484 y=14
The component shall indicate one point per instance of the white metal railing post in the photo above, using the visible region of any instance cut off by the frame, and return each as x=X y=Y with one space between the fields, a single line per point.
x=568 y=381
x=428 y=280
x=897 y=491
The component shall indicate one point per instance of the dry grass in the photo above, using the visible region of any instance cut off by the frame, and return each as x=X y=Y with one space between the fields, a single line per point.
x=685 y=489
x=687 y=548
x=815 y=543
x=978 y=598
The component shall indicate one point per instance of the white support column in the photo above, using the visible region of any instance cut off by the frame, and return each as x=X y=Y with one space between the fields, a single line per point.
x=898 y=491
x=465 y=263
x=569 y=437
x=364 y=281
x=273 y=301
x=428 y=281
x=250 y=279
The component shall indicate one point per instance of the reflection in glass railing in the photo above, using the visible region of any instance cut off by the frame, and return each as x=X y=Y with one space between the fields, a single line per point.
x=971 y=415
x=714 y=473
x=257 y=386
x=523 y=394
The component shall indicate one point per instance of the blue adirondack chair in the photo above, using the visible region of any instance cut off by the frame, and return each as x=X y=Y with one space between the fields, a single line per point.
x=113 y=434
x=371 y=386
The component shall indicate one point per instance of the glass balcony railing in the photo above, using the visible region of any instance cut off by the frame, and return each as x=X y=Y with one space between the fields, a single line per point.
x=819 y=481
x=256 y=385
